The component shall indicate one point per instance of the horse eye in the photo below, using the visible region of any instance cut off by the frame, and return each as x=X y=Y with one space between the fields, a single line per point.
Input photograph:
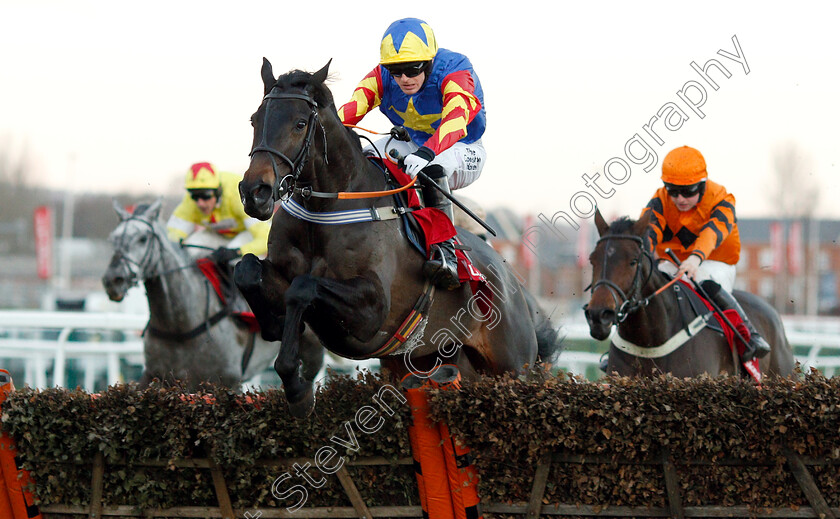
x=301 y=124
x=143 y=239
x=634 y=262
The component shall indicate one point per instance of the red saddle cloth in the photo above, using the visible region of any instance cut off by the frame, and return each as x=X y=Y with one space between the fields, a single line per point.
x=734 y=318
x=438 y=228
x=211 y=271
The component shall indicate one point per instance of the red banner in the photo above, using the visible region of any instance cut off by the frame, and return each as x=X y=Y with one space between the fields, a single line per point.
x=43 y=241
x=795 y=253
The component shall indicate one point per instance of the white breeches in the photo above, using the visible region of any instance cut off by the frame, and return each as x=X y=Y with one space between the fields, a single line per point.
x=462 y=163
x=722 y=273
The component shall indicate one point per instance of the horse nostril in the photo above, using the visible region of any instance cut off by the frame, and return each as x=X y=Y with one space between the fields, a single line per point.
x=608 y=316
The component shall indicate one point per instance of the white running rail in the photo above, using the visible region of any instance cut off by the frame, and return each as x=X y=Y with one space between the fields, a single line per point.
x=44 y=342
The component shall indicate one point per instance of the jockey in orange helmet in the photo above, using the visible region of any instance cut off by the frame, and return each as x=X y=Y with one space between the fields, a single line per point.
x=436 y=95
x=211 y=214
x=695 y=218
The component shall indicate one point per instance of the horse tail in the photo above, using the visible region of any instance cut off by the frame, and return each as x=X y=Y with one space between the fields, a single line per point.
x=549 y=337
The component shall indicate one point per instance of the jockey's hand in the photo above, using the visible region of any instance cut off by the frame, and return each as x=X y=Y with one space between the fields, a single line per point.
x=689 y=266
x=418 y=160
x=224 y=255
x=400 y=133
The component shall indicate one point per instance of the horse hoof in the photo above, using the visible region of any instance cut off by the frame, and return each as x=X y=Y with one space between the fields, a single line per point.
x=303 y=408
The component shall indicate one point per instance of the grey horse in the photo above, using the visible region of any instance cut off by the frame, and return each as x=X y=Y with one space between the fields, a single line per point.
x=191 y=336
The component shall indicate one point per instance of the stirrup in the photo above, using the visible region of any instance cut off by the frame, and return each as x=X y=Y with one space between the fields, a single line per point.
x=442 y=269
x=758 y=347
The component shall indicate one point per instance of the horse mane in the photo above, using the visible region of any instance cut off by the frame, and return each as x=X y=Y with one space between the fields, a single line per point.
x=304 y=80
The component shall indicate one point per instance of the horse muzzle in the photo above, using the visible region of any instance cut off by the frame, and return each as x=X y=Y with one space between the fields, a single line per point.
x=257 y=199
x=600 y=320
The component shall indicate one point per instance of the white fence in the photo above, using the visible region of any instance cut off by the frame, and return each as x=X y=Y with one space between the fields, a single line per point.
x=109 y=343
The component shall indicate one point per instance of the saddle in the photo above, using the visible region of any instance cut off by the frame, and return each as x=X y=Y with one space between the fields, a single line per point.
x=426 y=226
x=700 y=305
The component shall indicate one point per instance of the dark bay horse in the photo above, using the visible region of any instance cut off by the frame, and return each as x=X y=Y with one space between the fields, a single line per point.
x=191 y=336
x=354 y=284
x=624 y=281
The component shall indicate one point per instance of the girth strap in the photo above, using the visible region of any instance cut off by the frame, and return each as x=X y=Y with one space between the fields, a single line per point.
x=666 y=348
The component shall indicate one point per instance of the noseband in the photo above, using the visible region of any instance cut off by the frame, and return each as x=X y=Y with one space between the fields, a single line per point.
x=281 y=188
x=632 y=301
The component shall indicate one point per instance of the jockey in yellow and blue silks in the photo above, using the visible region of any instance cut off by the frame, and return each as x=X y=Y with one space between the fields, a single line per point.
x=436 y=95
x=211 y=214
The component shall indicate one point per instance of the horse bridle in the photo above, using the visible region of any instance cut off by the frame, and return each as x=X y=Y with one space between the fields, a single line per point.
x=143 y=263
x=628 y=303
x=281 y=188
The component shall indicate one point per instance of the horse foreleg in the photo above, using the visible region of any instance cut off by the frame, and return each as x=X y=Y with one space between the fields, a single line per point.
x=340 y=312
x=262 y=288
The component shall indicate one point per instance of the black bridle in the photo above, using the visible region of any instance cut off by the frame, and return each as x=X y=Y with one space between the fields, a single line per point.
x=281 y=188
x=633 y=300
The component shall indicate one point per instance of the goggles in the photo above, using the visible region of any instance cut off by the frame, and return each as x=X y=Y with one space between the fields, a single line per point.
x=204 y=194
x=686 y=191
x=412 y=69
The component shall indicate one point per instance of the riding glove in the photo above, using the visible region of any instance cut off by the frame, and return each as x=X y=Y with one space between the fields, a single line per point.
x=689 y=266
x=224 y=255
x=418 y=160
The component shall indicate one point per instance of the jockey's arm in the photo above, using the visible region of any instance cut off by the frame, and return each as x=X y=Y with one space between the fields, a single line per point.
x=460 y=106
x=717 y=229
x=183 y=220
x=366 y=97
x=258 y=230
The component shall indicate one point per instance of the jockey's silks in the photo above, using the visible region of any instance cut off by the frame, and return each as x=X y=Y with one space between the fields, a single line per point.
x=228 y=218
x=448 y=108
x=709 y=229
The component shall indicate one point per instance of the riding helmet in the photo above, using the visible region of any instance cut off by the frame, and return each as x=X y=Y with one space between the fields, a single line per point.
x=202 y=175
x=683 y=167
x=407 y=40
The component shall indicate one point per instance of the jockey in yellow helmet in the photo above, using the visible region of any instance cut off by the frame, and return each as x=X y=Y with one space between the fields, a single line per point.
x=436 y=95
x=695 y=217
x=211 y=214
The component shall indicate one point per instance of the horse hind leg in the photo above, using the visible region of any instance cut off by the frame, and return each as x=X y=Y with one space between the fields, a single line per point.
x=255 y=279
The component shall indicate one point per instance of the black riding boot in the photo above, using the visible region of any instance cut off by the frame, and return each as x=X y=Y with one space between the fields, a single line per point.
x=442 y=267
x=757 y=346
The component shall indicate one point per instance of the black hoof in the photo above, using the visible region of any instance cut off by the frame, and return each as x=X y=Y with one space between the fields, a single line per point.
x=248 y=273
x=304 y=406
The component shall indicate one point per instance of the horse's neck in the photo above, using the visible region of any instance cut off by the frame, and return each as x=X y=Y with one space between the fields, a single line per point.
x=179 y=297
x=656 y=322
x=346 y=169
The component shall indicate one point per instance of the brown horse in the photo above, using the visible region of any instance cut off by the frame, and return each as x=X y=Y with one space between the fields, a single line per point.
x=354 y=284
x=626 y=291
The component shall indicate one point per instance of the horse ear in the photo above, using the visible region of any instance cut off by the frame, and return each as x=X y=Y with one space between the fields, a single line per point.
x=322 y=74
x=600 y=223
x=153 y=212
x=267 y=75
x=642 y=224
x=122 y=213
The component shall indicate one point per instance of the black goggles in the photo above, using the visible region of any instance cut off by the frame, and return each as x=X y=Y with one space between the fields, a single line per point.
x=413 y=69
x=686 y=191
x=203 y=195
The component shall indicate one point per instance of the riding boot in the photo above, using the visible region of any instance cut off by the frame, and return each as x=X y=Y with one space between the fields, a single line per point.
x=757 y=347
x=442 y=266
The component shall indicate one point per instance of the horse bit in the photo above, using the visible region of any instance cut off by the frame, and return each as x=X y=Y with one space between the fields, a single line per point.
x=282 y=189
x=628 y=304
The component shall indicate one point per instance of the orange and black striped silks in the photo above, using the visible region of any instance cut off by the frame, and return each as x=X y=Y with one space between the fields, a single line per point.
x=20 y=500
